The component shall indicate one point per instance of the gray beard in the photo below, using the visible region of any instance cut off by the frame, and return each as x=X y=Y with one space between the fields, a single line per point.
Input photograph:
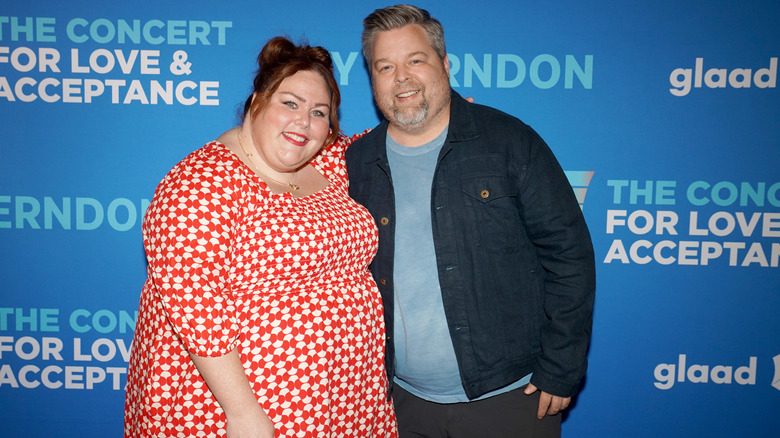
x=415 y=118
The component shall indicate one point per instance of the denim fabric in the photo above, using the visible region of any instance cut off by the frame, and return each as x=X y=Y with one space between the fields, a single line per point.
x=514 y=255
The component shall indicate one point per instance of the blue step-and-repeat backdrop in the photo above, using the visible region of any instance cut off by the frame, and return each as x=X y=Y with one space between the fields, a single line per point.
x=665 y=115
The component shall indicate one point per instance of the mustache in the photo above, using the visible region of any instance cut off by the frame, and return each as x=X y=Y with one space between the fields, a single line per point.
x=408 y=86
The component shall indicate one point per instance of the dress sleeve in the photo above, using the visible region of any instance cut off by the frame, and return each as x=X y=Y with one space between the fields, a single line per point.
x=188 y=230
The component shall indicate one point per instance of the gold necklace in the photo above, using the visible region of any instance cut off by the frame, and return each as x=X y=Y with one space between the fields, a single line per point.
x=292 y=185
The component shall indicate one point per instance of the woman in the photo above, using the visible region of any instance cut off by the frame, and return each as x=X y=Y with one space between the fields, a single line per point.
x=259 y=315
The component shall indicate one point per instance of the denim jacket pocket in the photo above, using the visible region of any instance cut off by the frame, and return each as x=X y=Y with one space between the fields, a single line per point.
x=491 y=203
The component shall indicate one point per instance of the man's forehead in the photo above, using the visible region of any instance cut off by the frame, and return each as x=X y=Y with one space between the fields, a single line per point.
x=403 y=40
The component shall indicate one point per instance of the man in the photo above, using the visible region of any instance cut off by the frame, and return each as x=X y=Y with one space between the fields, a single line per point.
x=485 y=263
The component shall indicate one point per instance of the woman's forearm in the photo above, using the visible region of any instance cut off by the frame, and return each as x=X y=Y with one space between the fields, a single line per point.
x=226 y=379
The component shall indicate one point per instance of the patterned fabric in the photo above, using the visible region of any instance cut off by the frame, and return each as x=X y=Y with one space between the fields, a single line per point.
x=282 y=279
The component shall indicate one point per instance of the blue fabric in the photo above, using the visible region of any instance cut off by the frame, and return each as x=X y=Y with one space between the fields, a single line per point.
x=425 y=358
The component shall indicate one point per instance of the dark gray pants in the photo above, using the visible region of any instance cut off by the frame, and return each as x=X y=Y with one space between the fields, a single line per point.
x=508 y=415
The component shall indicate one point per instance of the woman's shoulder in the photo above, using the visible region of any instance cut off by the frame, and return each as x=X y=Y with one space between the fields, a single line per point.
x=213 y=158
x=210 y=164
x=330 y=160
x=340 y=145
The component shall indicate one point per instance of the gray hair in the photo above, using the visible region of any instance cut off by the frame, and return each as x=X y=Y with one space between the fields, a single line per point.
x=396 y=17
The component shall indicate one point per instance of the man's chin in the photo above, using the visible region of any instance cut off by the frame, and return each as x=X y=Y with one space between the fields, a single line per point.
x=410 y=120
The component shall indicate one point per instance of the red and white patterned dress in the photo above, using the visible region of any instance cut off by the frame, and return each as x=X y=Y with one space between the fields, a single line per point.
x=284 y=280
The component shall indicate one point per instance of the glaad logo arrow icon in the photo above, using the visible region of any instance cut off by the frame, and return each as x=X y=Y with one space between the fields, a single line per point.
x=776 y=379
x=580 y=180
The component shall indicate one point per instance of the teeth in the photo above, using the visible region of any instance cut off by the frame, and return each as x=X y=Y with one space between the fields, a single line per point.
x=407 y=94
x=296 y=137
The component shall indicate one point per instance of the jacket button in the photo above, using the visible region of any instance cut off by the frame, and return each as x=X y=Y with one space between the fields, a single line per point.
x=382 y=281
x=384 y=221
x=484 y=194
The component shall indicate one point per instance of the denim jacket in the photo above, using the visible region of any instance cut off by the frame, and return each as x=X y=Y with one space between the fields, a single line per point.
x=514 y=256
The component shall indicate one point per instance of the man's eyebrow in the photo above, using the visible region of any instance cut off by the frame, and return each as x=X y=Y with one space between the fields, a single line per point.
x=411 y=55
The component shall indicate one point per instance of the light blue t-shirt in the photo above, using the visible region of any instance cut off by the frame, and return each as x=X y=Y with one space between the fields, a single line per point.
x=425 y=358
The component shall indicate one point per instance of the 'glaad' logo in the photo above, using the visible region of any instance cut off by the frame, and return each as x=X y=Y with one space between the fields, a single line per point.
x=666 y=374
x=776 y=379
x=683 y=79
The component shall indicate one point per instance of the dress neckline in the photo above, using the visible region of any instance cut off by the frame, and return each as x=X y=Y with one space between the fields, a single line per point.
x=286 y=195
